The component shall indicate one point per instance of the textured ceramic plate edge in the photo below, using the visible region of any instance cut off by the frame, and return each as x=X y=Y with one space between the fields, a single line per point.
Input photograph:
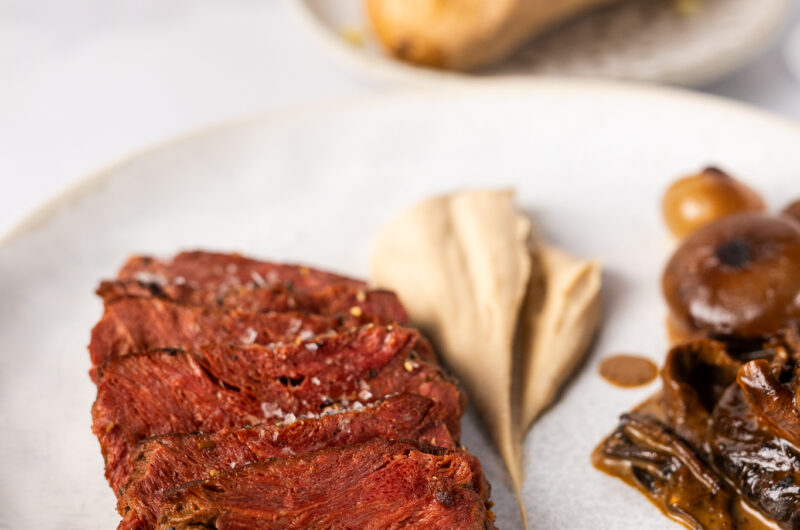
x=386 y=68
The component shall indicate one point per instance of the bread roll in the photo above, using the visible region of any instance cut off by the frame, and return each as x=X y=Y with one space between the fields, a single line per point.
x=465 y=34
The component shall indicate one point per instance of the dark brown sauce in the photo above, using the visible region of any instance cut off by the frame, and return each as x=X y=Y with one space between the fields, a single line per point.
x=628 y=371
x=743 y=515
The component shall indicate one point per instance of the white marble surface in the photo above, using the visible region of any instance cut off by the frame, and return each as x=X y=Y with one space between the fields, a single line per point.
x=86 y=82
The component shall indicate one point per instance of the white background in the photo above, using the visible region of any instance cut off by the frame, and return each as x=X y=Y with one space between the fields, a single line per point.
x=86 y=82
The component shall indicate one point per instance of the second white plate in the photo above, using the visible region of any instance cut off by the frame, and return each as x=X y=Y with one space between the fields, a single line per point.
x=646 y=40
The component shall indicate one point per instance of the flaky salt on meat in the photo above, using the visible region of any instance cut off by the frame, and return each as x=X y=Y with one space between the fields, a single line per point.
x=137 y=324
x=222 y=386
x=215 y=271
x=374 y=305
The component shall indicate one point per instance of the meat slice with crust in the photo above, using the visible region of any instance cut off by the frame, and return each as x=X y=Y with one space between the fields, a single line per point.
x=166 y=461
x=378 y=305
x=212 y=271
x=228 y=386
x=373 y=485
x=136 y=324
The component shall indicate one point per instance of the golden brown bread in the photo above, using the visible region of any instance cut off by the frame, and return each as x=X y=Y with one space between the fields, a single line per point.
x=465 y=34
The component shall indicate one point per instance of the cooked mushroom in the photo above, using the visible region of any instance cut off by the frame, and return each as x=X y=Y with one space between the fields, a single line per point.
x=695 y=374
x=736 y=276
x=697 y=200
x=718 y=447
x=646 y=455
x=764 y=468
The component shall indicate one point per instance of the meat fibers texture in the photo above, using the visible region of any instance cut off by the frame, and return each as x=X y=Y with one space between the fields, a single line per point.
x=376 y=305
x=166 y=461
x=230 y=386
x=212 y=271
x=135 y=324
x=374 y=485
x=234 y=393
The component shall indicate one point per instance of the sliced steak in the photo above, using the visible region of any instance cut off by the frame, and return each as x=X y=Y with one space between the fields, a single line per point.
x=374 y=485
x=141 y=395
x=338 y=300
x=227 y=386
x=137 y=324
x=358 y=364
x=213 y=271
x=165 y=461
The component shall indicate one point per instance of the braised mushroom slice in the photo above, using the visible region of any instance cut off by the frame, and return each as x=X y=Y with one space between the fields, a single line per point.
x=764 y=469
x=645 y=454
x=719 y=447
x=695 y=375
x=771 y=402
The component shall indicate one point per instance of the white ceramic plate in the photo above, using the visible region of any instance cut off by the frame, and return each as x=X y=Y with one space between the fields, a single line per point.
x=647 y=40
x=589 y=161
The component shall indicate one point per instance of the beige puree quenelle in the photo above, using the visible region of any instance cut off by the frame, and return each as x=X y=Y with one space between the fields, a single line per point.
x=480 y=285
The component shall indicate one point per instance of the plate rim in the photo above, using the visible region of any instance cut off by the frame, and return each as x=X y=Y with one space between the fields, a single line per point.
x=386 y=68
x=791 y=52
x=40 y=214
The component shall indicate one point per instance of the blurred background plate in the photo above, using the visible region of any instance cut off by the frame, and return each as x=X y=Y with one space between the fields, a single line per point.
x=589 y=160
x=792 y=52
x=646 y=40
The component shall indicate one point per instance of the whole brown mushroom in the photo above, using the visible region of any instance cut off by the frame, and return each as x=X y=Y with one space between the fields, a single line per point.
x=697 y=200
x=739 y=275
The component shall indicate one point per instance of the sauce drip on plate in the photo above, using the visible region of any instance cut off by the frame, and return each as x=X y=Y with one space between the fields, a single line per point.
x=628 y=371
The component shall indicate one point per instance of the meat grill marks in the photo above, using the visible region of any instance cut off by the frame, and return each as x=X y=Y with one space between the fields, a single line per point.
x=228 y=386
x=165 y=461
x=137 y=324
x=346 y=301
x=377 y=484
x=210 y=271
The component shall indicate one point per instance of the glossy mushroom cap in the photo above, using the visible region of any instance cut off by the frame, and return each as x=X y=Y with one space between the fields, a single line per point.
x=739 y=275
x=697 y=200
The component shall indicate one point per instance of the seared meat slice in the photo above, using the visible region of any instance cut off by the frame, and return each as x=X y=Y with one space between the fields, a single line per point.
x=165 y=461
x=381 y=306
x=142 y=395
x=359 y=364
x=138 y=324
x=213 y=271
x=228 y=386
x=374 y=485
